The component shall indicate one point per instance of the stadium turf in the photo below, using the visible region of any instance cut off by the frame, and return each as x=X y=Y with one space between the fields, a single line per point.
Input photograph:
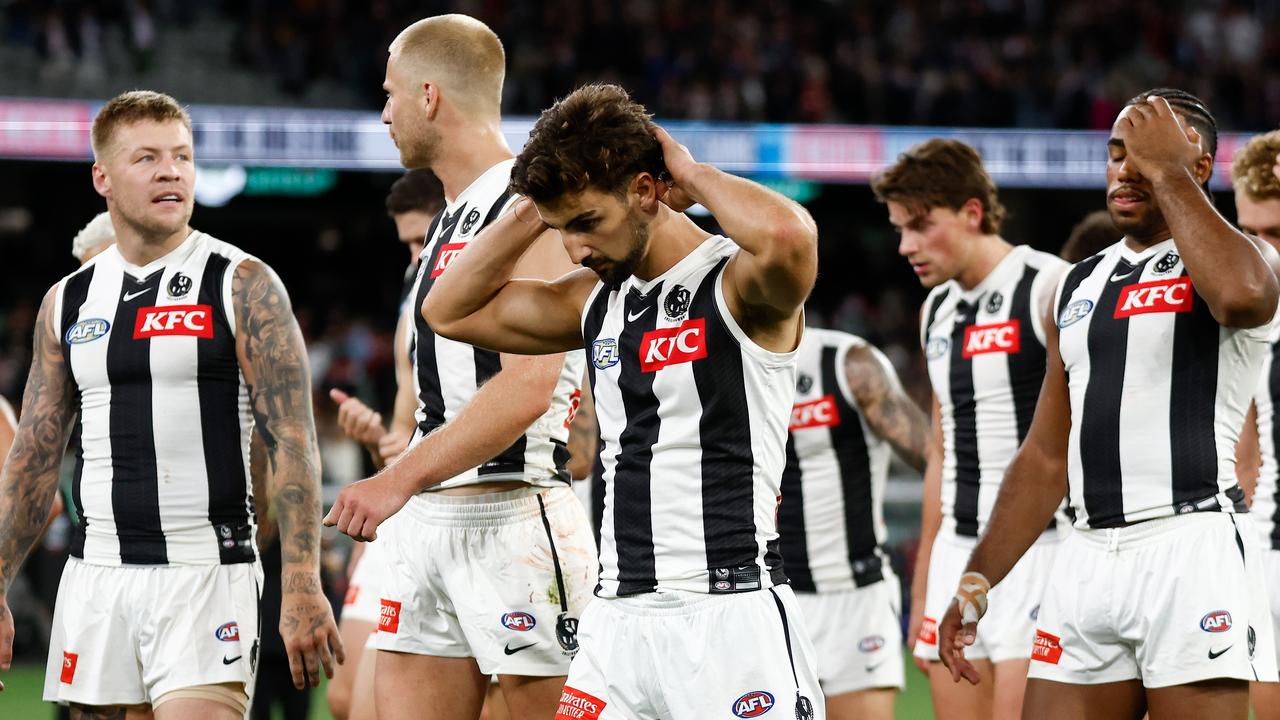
x=21 y=698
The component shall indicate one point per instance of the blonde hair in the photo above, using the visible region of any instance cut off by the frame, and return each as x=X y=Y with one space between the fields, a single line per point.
x=1253 y=167
x=134 y=107
x=461 y=54
x=98 y=231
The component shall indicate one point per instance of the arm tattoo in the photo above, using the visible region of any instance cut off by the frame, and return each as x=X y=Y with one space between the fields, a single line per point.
x=30 y=476
x=891 y=414
x=584 y=436
x=273 y=358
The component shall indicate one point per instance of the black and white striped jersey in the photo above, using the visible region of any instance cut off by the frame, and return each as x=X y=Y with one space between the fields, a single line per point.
x=1159 y=390
x=832 y=515
x=448 y=373
x=693 y=425
x=985 y=352
x=162 y=472
x=1266 y=497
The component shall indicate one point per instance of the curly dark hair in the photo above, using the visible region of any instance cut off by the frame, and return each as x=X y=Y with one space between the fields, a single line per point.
x=940 y=173
x=596 y=137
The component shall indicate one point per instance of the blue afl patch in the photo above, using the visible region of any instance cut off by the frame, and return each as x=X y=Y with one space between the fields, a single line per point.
x=1075 y=312
x=1216 y=621
x=518 y=621
x=604 y=353
x=753 y=704
x=87 y=331
x=937 y=347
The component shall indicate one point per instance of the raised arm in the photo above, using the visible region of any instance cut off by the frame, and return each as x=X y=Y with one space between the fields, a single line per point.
x=891 y=414
x=273 y=360
x=29 y=479
x=478 y=302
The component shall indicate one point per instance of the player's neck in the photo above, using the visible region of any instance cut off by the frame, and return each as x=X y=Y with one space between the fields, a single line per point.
x=984 y=258
x=467 y=155
x=1139 y=243
x=672 y=236
x=140 y=249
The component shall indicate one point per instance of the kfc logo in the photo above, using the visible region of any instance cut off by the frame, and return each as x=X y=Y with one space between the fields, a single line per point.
x=1159 y=296
x=1000 y=338
x=185 y=320
x=817 y=413
x=389 y=619
x=670 y=346
x=446 y=257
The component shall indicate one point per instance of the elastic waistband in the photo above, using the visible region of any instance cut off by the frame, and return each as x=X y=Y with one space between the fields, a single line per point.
x=487 y=510
x=1150 y=532
x=949 y=535
x=679 y=602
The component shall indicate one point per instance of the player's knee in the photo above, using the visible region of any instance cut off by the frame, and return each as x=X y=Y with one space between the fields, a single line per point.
x=338 y=695
x=95 y=712
x=209 y=702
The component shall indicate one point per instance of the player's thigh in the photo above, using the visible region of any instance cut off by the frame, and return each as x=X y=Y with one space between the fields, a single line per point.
x=111 y=712
x=1265 y=700
x=873 y=704
x=405 y=683
x=1011 y=682
x=495 y=706
x=1220 y=698
x=959 y=700
x=187 y=708
x=531 y=697
x=1051 y=700
x=363 y=700
x=340 y=692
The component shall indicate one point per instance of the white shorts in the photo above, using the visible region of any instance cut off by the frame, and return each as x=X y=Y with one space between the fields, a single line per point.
x=364 y=591
x=477 y=576
x=693 y=656
x=858 y=635
x=1271 y=568
x=1169 y=601
x=1009 y=626
x=127 y=635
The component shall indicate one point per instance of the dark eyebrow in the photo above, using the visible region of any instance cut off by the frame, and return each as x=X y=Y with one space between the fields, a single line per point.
x=580 y=217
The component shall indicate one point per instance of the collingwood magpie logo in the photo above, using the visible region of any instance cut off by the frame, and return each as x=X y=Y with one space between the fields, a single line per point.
x=995 y=302
x=804 y=383
x=1167 y=263
x=677 y=302
x=567 y=633
x=180 y=285
x=470 y=221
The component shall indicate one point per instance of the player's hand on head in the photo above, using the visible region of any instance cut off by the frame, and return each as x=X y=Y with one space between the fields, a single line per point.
x=1156 y=140
x=954 y=635
x=310 y=634
x=680 y=169
x=357 y=420
x=364 y=505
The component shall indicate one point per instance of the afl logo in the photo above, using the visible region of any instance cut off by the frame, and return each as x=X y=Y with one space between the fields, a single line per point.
x=1075 y=312
x=518 y=621
x=87 y=331
x=1166 y=263
x=604 y=353
x=753 y=704
x=677 y=302
x=1216 y=621
x=180 y=285
x=937 y=347
x=229 y=632
x=870 y=644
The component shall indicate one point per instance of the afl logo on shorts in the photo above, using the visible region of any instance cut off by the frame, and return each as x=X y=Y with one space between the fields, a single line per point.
x=1216 y=621
x=604 y=353
x=87 y=331
x=518 y=621
x=1075 y=312
x=937 y=347
x=870 y=644
x=753 y=704
x=229 y=632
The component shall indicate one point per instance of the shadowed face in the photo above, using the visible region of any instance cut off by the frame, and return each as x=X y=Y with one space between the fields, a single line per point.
x=936 y=243
x=601 y=231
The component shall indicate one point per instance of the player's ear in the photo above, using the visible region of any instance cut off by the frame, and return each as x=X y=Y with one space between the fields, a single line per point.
x=101 y=183
x=972 y=213
x=430 y=99
x=647 y=191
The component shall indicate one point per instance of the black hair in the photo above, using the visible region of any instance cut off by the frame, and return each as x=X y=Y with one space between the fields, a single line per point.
x=1190 y=107
x=417 y=190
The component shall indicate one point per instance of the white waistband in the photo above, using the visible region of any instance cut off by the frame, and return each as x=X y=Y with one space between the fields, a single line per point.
x=488 y=509
x=1151 y=531
x=682 y=602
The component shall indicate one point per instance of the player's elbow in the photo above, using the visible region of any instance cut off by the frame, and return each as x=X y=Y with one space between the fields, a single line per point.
x=794 y=239
x=1247 y=304
x=439 y=316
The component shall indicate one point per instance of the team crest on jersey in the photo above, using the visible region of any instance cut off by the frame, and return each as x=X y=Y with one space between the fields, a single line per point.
x=470 y=220
x=179 y=286
x=1074 y=313
x=753 y=704
x=937 y=347
x=677 y=302
x=1166 y=263
x=995 y=302
x=804 y=383
x=604 y=353
x=87 y=331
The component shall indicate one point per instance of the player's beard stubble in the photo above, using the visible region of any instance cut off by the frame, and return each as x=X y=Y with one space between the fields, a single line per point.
x=614 y=272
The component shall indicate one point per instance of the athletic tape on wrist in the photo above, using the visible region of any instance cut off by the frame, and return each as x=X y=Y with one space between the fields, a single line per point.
x=972 y=596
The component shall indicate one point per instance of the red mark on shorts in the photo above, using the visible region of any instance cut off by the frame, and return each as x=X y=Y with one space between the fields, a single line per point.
x=929 y=631
x=1046 y=648
x=69 y=666
x=577 y=705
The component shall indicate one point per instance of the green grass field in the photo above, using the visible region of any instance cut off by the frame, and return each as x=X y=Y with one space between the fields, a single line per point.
x=23 y=684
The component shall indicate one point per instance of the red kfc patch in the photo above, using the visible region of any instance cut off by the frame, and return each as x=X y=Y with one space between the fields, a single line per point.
x=1046 y=648
x=815 y=413
x=446 y=257
x=69 y=661
x=1159 y=296
x=577 y=705
x=929 y=631
x=389 y=619
x=188 y=320
x=999 y=338
x=670 y=346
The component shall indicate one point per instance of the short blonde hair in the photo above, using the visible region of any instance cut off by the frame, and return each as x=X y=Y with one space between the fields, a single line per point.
x=98 y=231
x=461 y=54
x=134 y=107
x=1253 y=167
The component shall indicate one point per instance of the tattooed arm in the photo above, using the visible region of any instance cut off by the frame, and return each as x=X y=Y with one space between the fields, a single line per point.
x=584 y=435
x=273 y=359
x=29 y=480
x=891 y=414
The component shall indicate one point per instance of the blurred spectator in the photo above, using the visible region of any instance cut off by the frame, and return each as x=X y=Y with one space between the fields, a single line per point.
x=1090 y=236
